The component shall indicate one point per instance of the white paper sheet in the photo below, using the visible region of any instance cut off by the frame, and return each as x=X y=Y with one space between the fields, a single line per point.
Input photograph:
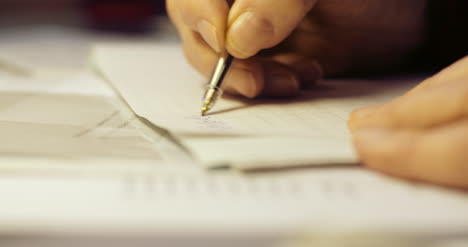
x=72 y=125
x=186 y=203
x=158 y=84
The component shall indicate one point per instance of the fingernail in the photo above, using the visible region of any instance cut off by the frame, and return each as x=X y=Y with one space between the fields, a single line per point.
x=282 y=83
x=249 y=34
x=208 y=33
x=242 y=81
x=371 y=137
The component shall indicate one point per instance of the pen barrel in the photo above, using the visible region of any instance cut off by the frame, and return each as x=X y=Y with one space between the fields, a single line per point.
x=214 y=90
x=220 y=71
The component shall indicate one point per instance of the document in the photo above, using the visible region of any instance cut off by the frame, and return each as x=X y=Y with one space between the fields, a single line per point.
x=160 y=86
x=65 y=124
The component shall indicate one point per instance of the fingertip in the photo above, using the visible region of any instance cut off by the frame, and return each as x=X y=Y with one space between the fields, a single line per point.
x=237 y=52
x=359 y=117
x=372 y=146
x=257 y=25
x=248 y=34
x=371 y=138
x=390 y=151
x=245 y=79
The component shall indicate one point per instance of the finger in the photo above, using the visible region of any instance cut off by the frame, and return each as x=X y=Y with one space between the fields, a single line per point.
x=281 y=81
x=454 y=72
x=206 y=17
x=375 y=115
x=362 y=118
x=260 y=24
x=266 y=78
x=245 y=77
x=435 y=155
x=308 y=70
x=250 y=78
x=426 y=108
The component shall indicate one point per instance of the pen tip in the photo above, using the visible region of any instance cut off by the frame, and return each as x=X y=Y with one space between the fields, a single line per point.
x=203 y=111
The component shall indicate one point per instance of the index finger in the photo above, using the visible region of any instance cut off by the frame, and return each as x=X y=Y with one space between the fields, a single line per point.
x=425 y=108
x=205 y=17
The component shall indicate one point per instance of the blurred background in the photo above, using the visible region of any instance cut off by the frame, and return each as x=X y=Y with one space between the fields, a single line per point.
x=58 y=34
x=109 y=15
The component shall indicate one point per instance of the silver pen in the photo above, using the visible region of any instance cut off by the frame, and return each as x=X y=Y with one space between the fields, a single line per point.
x=214 y=90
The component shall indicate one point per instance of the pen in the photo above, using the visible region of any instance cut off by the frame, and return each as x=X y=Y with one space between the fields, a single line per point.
x=214 y=90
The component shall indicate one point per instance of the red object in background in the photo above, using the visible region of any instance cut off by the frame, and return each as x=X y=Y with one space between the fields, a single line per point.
x=123 y=15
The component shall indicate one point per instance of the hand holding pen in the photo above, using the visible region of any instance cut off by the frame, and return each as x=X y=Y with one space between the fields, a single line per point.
x=208 y=28
x=282 y=46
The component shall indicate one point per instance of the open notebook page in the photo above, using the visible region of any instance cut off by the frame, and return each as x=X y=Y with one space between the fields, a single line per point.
x=159 y=85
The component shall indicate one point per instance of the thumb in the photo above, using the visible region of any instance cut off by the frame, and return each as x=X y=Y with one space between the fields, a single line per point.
x=261 y=24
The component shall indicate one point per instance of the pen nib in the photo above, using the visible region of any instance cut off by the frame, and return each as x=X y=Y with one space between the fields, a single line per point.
x=204 y=111
x=208 y=102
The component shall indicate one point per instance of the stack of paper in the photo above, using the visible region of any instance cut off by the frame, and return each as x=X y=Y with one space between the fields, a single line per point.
x=159 y=85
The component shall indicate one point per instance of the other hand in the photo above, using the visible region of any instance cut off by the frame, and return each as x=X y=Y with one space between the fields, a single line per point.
x=422 y=135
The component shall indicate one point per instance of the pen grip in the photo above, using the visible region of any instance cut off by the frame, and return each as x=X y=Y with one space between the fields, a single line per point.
x=221 y=70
